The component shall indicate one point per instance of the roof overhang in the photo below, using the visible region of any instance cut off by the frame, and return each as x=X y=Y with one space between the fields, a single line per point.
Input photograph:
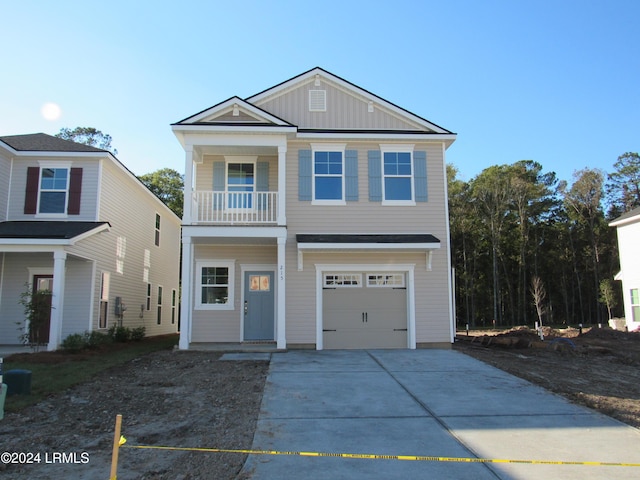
x=46 y=233
x=411 y=242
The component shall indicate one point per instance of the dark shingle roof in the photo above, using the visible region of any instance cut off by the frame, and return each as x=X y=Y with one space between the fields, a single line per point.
x=50 y=230
x=41 y=142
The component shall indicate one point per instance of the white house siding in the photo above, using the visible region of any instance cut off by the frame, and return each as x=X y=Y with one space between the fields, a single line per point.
x=88 y=199
x=5 y=175
x=224 y=325
x=131 y=213
x=628 y=238
x=15 y=278
x=77 y=297
x=432 y=306
x=344 y=110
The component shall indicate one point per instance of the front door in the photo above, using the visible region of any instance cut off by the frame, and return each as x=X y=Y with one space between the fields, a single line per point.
x=43 y=283
x=258 y=306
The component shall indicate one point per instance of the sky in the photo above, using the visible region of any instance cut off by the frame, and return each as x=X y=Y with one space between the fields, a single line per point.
x=556 y=81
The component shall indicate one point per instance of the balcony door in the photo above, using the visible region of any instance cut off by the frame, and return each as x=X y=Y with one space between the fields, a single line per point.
x=240 y=185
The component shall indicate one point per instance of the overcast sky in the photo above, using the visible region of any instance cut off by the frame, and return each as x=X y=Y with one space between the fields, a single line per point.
x=553 y=81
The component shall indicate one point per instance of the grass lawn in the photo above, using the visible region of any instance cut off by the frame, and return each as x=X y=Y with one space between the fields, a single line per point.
x=53 y=372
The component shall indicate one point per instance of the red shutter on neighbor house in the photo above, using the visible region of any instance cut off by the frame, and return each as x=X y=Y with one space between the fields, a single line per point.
x=75 y=191
x=31 y=195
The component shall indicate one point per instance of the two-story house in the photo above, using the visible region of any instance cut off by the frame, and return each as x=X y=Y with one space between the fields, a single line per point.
x=74 y=221
x=315 y=217
x=628 y=230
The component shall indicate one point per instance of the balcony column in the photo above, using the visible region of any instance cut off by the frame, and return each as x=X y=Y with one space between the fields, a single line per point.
x=188 y=185
x=57 y=299
x=281 y=340
x=186 y=308
x=282 y=189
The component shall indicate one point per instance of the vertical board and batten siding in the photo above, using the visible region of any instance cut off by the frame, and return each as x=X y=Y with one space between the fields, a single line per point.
x=431 y=293
x=88 y=200
x=224 y=325
x=137 y=225
x=15 y=278
x=344 y=110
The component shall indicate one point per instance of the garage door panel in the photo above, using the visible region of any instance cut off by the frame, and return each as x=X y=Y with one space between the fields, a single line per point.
x=364 y=317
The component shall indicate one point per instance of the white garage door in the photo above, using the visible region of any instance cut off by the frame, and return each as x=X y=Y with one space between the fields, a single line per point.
x=364 y=310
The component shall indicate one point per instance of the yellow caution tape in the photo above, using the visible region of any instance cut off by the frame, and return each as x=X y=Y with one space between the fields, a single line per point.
x=370 y=456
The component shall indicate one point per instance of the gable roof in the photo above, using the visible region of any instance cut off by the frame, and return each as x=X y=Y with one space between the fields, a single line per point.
x=257 y=115
x=41 y=142
x=625 y=218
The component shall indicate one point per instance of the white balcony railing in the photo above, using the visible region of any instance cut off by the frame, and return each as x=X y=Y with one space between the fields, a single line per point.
x=235 y=207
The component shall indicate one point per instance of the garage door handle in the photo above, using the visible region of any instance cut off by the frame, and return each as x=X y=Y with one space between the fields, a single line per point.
x=399 y=329
x=328 y=330
x=365 y=317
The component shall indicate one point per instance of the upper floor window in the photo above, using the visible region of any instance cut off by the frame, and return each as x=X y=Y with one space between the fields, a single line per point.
x=328 y=173
x=157 y=237
x=54 y=183
x=53 y=189
x=240 y=181
x=398 y=176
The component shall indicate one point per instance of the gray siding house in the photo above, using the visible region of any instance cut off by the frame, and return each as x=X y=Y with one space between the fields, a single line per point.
x=315 y=217
x=67 y=225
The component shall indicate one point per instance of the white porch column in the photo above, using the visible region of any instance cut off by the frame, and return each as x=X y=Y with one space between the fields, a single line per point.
x=281 y=341
x=282 y=188
x=187 y=294
x=57 y=299
x=188 y=185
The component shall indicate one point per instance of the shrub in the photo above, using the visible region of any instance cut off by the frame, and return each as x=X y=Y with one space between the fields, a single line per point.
x=74 y=342
x=96 y=339
x=137 y=334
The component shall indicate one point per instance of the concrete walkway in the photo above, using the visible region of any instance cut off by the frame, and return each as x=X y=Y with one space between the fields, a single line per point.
x=425 y=403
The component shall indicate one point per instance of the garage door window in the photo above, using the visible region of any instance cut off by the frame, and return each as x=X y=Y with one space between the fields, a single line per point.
x=342 y=280
x=390 y=280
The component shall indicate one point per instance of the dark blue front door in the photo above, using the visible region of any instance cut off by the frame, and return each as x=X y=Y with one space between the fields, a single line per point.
x=258 y=306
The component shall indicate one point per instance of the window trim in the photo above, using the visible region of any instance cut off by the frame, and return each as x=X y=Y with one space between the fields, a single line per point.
x=42 y=165
x=160 y=291
x=374 y=284
x=351 y=277
x=391 y=148
x=200 y=264
x=634 y=305
x=158 y=225
x=327 y=147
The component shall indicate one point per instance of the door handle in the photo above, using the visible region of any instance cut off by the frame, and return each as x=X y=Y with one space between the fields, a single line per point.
x=246 y=307
x=366 y=316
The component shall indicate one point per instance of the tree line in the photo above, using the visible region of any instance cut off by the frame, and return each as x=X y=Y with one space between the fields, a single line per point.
x=527 y=246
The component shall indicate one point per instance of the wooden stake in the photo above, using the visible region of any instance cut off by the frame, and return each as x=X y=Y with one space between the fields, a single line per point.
x=116 y=448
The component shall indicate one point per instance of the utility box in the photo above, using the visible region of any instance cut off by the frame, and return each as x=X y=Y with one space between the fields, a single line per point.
x=18 y=382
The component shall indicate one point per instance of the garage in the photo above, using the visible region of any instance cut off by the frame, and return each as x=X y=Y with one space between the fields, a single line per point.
x=364 y=309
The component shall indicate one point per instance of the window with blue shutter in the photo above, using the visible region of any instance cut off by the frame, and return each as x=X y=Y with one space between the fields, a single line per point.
x=305 y=176
x=420 y=175
x=218 y=185
x=351 y=175
x=375 y=175
x=262 y=185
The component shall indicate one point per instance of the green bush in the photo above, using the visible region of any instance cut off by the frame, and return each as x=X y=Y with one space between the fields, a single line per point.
x=137 y=334
x=74 y=342
x=95 y=339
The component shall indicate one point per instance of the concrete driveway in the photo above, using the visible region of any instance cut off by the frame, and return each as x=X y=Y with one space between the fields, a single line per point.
x=425 y=403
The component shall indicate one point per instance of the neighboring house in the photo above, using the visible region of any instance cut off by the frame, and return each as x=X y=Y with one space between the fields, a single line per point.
x=628 y=229
x=315 y=217
x=75 y=221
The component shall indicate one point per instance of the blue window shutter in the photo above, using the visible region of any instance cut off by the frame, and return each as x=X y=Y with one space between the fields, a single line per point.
x=420 y=175
x=218 y=184
x=262 y=184
x=304 y=175
x=375 y=175
x=351 y=175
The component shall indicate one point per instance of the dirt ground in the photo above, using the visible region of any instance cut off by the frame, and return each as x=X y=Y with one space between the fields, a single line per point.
x=599 y=368
x=194 y=399
x=168 y=398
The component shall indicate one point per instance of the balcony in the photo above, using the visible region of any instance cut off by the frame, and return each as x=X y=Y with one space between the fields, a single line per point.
x=235 y=208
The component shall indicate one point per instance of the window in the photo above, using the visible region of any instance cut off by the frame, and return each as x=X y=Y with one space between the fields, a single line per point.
x=173 y=306
x=104 y=300
x=157 y=240
x=54 y=183
x=215 y=281
x=635 y=305
x=397 y=175
x=342 y=280
x=240 y=181
x=390 y=280
x=159 y=313
x=148 y=296
x=328 y=173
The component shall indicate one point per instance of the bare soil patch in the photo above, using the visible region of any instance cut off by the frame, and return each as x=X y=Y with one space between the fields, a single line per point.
x=167 y=398
x=598 y=368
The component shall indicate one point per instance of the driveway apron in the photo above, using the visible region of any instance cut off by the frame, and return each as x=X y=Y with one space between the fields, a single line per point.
x=434 y=403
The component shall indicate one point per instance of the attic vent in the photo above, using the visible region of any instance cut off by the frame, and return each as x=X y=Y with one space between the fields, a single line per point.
x=317 y=100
